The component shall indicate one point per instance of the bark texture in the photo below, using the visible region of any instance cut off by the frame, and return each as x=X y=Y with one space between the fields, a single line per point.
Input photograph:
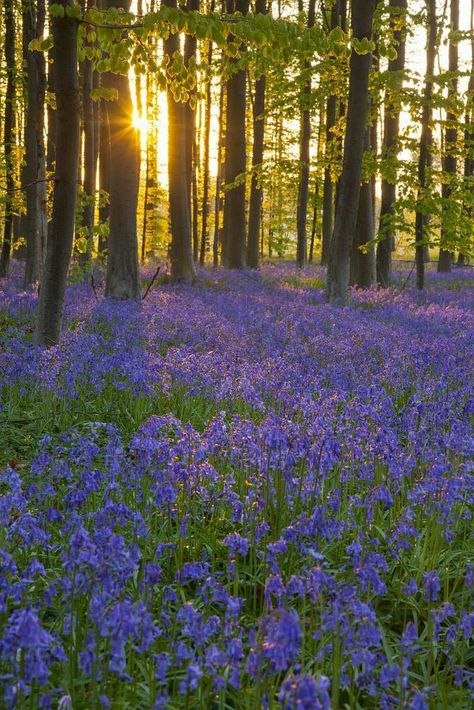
x=305 y=138
x=337 y=286
x=34 y=172
x=234 y=228
x=61 y=232
x=8 y=134
x=450 y=147
x=122 y=280
x=425 y=140
x=182 y=262
x=390 y=151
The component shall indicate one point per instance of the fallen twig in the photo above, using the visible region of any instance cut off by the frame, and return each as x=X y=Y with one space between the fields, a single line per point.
x=150 y=285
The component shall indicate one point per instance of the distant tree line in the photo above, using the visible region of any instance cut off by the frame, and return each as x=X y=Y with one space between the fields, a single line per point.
x=284 y=136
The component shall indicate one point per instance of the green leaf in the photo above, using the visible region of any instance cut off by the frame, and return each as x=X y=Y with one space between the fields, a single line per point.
x=56 y=10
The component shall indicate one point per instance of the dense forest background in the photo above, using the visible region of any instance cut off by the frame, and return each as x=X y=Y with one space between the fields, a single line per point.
x=230 y=133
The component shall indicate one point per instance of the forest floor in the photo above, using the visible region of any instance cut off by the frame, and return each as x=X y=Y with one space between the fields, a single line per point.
x=235 y=496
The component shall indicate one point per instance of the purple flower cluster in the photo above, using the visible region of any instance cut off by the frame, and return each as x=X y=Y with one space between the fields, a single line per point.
x=307 y=546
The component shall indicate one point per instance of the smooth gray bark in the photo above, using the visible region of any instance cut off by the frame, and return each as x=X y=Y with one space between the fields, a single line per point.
x=337 y=285
x=61 y=232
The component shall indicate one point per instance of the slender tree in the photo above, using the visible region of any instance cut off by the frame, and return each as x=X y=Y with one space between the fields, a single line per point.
x=450 y=143
x=205 y=164
x=256 y=190
x=305 y=139
x=189 y=136
x=234 y=248
x=217 y=209
x=122 y=280
x=182 y=262
x=34 y=171
x=60 y=234
x=420 y=223
x=90 y=157
x=328 y=189
x=362 y=268
x=104 y=172
x=469 y=139
x=9 y=134
x=391 y=132
x=337 y=286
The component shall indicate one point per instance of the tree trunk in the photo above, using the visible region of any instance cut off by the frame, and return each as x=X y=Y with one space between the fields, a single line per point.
x=90 y=164
x=337 y=287
x=9 y=134
x=61 y=232
x=448 y=225
x=104 y=172
x=469 y=138
x=328 y=189
x=424 y=143
x=256 y=191
x=362 y=269
x=390 y=151
x=182 y=263
x=122 y=280
x=234 y=248
x=51 y=117
x=217 y=210
x=205 y=167
x=34 y=171
x=305 y=138
x=190 y=48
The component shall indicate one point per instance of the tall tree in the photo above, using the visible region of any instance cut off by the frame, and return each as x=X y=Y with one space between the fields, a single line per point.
x=256 y=190
x=328 y=189
x=90 y=156
x=337 y=286
x=423 y=158
x=234 y=248
x=450 y=144
x=469 y=140
x=207 y=146
x=362 y=267
x=9 y=134
x=182 y=262
x=122 y=280
x=189 y=108
x=61 y=232
x=396 y=66
x=34 y=172
x=217 y=209
x=305 y=139
x=104 y=172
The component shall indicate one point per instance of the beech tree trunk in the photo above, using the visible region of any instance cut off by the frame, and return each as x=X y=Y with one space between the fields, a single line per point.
x=337 y=286
x=420 y=224
x=8 y=134
x=182 y=262
x=205 y=167
x=217 y=209
x=234 y=247
x=61 y=232
x=104 y=171
x=305 y=138
x=328 y=189
x=450 y=147
x=34 y=171
x=90 y=158
x=469 y=136
x=122 y=280
x=256 y=190
x=362 y=268
x=190 y=48
x=390 y=150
